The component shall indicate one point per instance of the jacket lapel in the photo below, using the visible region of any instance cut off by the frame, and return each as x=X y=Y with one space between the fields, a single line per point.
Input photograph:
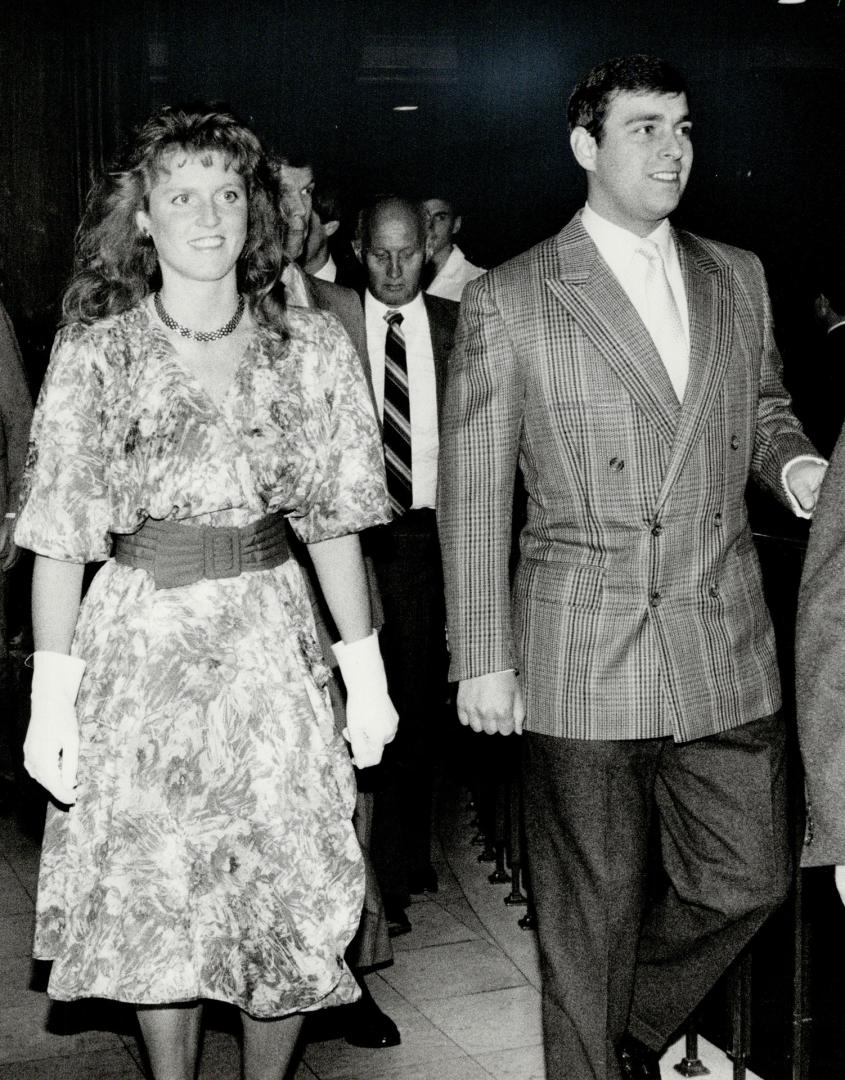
x=710 y=305
x=441 y=344
x=590 y=292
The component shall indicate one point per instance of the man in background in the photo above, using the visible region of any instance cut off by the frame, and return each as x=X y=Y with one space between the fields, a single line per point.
x=303 y=289
x=409 y=338
x=450 y=267
x=328 y=251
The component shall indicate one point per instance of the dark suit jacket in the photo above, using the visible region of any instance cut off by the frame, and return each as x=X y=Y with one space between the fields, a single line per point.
x=346 y=305
x=820 y=671
x=637 y=606
x=442 y=322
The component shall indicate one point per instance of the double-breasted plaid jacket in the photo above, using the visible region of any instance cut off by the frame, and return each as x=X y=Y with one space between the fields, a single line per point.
x=637 y=609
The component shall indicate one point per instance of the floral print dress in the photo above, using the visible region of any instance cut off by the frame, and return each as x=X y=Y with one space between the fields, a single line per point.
x=210 y=853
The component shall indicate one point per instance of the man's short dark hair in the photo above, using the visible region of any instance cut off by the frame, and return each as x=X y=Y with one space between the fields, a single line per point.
x=638 y=74
x=327 y=202
x=391 y=202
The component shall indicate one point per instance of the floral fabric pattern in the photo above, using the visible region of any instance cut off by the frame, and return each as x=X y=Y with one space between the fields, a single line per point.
x=210 y=853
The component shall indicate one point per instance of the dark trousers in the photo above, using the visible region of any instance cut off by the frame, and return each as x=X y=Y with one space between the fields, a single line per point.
x=619 y=951
x=406 y=559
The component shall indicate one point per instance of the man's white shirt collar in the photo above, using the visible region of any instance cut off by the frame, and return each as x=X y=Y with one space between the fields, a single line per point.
x=615 y=243
x=328 y=271
x=617 y=246
x=412 y=312
x=450 y=280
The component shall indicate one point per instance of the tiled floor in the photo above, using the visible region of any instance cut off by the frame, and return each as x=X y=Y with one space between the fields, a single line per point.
x=464 y=990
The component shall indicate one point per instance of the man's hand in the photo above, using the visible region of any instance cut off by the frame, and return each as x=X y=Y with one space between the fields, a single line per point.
x=492 y=703
x=839 y=878
x=803 y=478
x=8 y=551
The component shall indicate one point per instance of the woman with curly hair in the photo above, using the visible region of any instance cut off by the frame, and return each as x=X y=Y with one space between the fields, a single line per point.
x=201 y=845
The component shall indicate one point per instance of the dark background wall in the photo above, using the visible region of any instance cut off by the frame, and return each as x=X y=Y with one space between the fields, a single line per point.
x=490 y=79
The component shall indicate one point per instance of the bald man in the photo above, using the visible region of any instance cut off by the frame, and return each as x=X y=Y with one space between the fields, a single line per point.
x=416 y=330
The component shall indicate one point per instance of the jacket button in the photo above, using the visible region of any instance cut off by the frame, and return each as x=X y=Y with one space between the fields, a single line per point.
x=656 y=529
x=655 y=599
x=617 y=463
x=717 y=519
x=714 y=590
x=734 y=442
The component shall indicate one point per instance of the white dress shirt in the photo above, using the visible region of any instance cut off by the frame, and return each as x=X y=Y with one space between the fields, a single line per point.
x=453 y=275
x=422 y=387
x=328 y=271
x=618 y=247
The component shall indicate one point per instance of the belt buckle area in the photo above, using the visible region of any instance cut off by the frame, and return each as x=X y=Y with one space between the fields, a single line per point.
x=222 y=552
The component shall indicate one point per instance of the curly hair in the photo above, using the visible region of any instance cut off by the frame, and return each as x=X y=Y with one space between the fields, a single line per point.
x=116 y=266
x=637 y=74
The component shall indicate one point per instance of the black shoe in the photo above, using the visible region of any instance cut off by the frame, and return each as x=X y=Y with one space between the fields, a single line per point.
x=366 y=1025
x=424 y=880
x=638 y=1061
x=398 y=922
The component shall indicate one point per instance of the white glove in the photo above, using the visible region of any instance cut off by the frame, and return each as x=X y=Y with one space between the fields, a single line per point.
x=51 y=747
x=371 y=720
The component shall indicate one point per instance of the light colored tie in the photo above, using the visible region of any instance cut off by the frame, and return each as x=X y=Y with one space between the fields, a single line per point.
x=663 y=320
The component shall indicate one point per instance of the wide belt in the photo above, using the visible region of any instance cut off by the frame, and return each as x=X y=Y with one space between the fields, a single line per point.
x=178 y=554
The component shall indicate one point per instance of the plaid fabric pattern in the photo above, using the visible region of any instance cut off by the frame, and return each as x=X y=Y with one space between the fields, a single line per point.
x=637 y=609
x=397 y=416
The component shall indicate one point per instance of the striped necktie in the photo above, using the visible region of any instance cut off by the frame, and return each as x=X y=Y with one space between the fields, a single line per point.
x=397 y=416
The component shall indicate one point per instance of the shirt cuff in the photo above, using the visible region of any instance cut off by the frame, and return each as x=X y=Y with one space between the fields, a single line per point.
x=797 y=509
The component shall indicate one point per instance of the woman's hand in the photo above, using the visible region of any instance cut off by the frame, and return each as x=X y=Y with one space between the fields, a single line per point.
x=51 y=747
x=371 y=719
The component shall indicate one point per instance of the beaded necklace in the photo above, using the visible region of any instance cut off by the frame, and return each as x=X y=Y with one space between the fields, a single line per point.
x=199 y=335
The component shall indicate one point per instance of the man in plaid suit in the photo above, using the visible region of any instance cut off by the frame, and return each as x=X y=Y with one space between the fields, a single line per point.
x=636 y=395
